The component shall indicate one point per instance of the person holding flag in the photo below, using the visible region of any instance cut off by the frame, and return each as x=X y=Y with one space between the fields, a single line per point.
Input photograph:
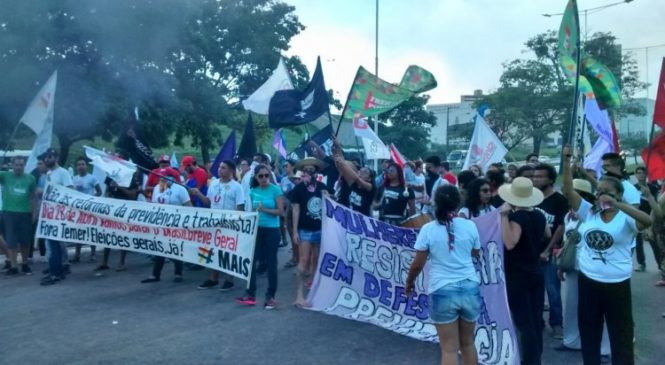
x=393 y=199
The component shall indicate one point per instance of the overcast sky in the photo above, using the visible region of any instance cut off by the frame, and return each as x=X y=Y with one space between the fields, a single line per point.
x=462 y=42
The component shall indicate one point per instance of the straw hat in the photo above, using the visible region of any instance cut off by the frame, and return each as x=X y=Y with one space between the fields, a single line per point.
x=310 y=161
x=582 y=186
x=521 y=193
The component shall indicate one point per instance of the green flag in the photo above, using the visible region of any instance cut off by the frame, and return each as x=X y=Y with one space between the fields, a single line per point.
x=370 y=95
x=605 y=86
x=569 y=32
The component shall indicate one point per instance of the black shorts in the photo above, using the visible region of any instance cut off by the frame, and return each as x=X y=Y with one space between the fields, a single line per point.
x=18 y=229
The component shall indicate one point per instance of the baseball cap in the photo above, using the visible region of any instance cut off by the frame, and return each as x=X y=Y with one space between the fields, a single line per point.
x=187 y=160
x=49 y=152
x=164 y=158
x=169 y=173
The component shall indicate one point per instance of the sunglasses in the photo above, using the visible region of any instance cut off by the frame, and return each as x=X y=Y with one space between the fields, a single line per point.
x=262 y=176
x=484 y=190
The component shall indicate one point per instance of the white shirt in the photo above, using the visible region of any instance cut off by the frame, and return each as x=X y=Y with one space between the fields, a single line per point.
x=604 y=253
x=175 y=195
x=630 y=193
x=449 y=266
x=481 y=212
x=85 y=184
x=439 y=182
x=227 y=196
x=59 y=176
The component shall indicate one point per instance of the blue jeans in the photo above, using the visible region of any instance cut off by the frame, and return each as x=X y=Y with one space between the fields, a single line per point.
x=460 y=300
x=553 y=289
x=55 y=249
x=267 y=243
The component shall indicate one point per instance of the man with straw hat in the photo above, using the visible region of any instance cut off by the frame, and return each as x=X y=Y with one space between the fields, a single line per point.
x=524 y=230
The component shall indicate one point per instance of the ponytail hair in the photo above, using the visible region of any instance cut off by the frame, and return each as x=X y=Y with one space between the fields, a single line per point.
x=447 y=199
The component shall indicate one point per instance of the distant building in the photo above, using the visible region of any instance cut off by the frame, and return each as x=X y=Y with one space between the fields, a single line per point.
x=632 y=125
x=454 y=121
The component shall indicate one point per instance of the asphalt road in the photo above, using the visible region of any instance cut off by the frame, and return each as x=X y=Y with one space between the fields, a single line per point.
x=113 y=319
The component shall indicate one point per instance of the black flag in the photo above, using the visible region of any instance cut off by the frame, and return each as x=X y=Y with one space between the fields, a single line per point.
x=247 y=148
x=294 y=107
x=321 y=138
x=130 y=141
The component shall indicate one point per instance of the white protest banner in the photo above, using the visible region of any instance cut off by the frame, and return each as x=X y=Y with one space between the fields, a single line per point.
x=485 y=147
x=217 y=239
x=363 y=266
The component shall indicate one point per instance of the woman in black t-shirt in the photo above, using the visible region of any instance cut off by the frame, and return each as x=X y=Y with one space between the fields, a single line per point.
x=394 y=198
x=523 y=231
x=356 y=185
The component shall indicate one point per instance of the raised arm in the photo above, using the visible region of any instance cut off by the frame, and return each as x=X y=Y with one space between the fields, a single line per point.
x=574 y=199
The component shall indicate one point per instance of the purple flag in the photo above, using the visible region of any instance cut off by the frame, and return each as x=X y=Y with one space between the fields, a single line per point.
x=278 y=143
x=227 y=152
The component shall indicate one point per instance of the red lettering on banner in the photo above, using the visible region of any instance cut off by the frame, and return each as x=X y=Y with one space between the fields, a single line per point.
x=48 y=211
x=226 y=242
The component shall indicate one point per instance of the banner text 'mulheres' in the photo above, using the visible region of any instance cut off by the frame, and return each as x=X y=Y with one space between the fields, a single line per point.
x=371 y=228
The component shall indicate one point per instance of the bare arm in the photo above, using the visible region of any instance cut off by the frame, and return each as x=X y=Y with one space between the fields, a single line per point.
x=642 y=219
x=416 y=268
x=574 y=199
x=196 y=192
x=510 y=231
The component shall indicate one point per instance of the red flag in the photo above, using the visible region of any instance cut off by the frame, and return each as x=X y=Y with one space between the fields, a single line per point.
x=655 y=162
x=659 y=110
x=396 y=156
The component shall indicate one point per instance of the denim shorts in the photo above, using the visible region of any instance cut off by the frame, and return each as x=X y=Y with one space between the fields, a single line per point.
x=454 y=301
x=313 y=237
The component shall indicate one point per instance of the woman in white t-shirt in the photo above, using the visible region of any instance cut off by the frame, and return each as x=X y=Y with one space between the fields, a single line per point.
x=478 y=199
x=454 y=286
x=569 y=287
x=171 y=193
x=605 y=262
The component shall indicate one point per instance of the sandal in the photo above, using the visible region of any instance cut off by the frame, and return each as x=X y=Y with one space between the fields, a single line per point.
x=290 y=264
x=660 y=283
x=120 y=268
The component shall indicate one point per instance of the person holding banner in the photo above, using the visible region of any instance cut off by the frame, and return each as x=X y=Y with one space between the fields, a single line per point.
x=171 y=193
x=394 y=198
x=605 y=261
x=223 y=193
x=306 y=206
x=57 y=251
x=524 y=230
x=267 y=199
x=86 y=183
x=454 y=286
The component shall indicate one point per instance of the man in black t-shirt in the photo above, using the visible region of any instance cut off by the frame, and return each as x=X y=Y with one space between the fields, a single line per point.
x=554 y=207
x=648 y=191
x=306 y=204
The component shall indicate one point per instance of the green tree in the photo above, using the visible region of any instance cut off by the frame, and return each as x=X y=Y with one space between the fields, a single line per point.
x=407 y=126
x=534 y=99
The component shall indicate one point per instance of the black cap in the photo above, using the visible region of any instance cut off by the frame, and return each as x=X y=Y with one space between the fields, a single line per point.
x=49 y=152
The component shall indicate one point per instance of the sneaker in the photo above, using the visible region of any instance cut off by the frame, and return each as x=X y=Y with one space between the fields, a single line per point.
x=26 y=269
x=8 y=265
x=46 y=271
x=149 y=280
x=641 y=268
x=101 y=268
x=178 y=279
x=246 y=300
x=49 y=280
x=563 y=347
x=227 y=286
x=660 y=283
x=66 y=270
x=11 y=272
x=557 y=332
x=605 y=359
x=270 y=304
x=208 y=284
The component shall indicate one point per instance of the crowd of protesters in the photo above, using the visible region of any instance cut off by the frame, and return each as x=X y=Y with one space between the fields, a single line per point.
x=613 y=217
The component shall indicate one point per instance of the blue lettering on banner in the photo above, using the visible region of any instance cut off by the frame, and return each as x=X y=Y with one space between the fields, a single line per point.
x=382 y=290
x=342 y=271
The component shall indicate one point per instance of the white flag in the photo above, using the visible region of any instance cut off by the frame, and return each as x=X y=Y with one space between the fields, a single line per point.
x=593 y=160
x=40 y=110
x=259 y=101
x=363 y=130
x=42 y=143
x=119 y=170
x=485 y=148
x=375 y=150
